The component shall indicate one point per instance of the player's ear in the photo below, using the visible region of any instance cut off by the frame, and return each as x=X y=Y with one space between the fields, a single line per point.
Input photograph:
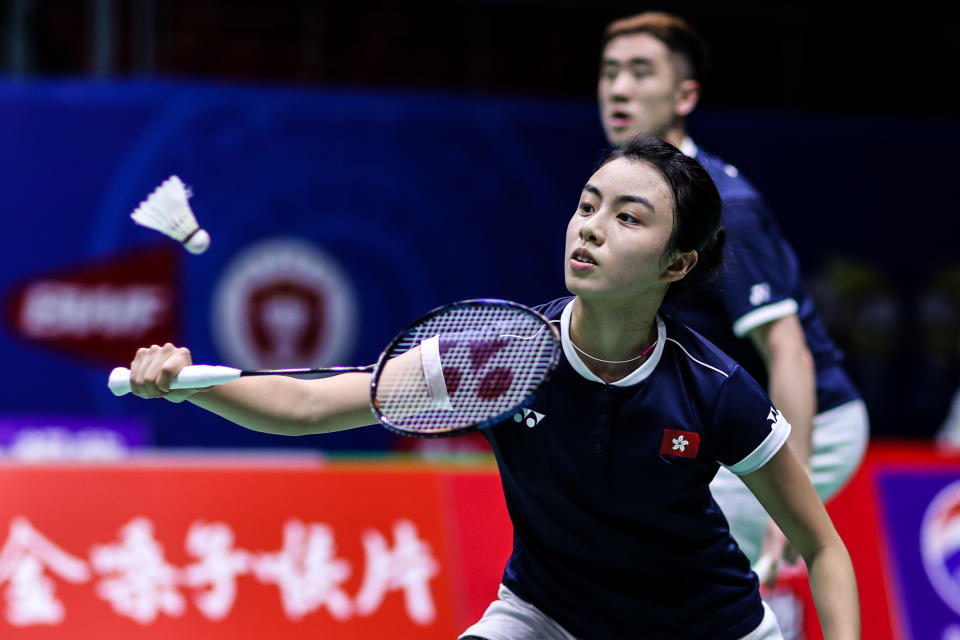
x=687 y=96
x=679 y=266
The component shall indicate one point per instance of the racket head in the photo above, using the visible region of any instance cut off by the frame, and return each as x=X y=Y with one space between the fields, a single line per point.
x=493 y=356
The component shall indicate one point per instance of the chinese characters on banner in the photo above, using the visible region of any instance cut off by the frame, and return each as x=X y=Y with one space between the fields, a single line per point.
x=134 y=577
x=202 y=549
x=161 y=550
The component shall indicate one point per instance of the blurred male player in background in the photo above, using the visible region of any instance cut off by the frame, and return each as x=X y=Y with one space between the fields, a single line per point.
x=650 y=80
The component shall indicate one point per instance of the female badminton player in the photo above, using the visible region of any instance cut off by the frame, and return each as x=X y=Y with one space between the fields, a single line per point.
x=616 y=534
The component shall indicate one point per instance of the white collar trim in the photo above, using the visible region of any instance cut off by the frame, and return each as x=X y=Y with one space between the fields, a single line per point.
x=688 y=147
x=634 y=377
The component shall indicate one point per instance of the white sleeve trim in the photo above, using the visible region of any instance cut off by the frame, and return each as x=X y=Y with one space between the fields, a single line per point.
x=767 y=449
x=433 y=373
x=747 y=323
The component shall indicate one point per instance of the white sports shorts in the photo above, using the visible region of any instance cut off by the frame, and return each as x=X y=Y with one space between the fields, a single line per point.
x=839 y=442
x=510 y=618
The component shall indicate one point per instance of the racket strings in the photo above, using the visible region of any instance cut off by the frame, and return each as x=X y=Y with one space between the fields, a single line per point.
x=493 y=358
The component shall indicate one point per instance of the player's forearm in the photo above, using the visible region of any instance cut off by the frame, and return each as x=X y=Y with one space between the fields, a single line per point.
x=785 y=491
x=287 y=406
x=834 y=589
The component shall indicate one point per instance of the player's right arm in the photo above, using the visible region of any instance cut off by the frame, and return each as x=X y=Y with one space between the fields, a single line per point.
x=785 y=491
x=270 y=404
x=750 y=437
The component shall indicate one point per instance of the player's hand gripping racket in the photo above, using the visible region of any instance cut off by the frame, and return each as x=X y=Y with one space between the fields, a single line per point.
x=463 y=366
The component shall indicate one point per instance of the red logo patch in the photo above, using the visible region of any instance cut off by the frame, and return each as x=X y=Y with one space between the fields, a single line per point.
x=683 y=444
x=101 y=310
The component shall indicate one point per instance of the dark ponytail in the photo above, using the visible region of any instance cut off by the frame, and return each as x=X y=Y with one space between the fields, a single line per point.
x=710 y=259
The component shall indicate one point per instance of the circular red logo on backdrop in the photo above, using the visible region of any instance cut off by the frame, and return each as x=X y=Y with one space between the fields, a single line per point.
x=284 y=303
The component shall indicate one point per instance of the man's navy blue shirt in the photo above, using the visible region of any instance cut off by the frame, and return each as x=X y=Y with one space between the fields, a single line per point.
x=760 y=281
x=616 y=534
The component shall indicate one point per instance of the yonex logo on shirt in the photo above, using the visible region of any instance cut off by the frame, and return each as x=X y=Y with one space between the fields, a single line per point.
x=773 y=417
x=528 y=417
x=759 y=293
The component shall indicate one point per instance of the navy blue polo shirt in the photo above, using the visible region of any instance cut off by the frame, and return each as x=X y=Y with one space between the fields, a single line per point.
x=616 y=534
x=759 y=282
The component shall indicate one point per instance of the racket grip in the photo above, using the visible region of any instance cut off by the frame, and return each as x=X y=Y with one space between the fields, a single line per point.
x=195 y=376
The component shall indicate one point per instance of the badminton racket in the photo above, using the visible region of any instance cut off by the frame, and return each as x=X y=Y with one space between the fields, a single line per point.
x=461 y=367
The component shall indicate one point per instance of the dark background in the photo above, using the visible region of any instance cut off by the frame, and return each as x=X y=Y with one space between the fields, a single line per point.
x=900 y=60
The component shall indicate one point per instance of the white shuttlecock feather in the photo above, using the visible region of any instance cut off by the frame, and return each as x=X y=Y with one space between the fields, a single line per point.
x=167 y=210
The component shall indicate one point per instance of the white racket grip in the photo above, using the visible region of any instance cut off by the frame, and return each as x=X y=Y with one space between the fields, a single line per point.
x=195 y=376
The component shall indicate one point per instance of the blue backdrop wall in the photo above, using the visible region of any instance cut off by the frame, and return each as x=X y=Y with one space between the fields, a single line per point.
x=398 y=202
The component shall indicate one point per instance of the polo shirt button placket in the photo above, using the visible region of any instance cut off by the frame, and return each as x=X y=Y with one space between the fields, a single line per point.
x=602 y=420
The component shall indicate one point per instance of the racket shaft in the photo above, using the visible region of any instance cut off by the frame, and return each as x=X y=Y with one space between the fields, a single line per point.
x=194 y=376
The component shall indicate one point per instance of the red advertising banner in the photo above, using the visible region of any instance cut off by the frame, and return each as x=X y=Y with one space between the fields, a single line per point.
x=203 y=548
x=171 y=550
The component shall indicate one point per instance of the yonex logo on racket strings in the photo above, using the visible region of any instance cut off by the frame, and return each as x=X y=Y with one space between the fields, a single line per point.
x=494 y=382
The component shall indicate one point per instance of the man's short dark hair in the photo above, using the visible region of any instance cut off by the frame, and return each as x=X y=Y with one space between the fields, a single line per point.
x=671 y=30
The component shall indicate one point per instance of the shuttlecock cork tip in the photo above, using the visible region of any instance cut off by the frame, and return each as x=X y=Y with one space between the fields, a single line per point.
x=198 y=242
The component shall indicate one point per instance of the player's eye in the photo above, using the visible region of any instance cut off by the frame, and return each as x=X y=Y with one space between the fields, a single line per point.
x=627 y=217
x=586 y=207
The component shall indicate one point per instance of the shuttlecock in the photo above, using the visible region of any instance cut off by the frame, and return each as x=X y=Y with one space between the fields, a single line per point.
x=166 y=210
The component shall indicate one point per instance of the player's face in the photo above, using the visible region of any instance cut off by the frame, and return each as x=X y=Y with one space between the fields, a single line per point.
x=639 y=89
x=616 y=237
